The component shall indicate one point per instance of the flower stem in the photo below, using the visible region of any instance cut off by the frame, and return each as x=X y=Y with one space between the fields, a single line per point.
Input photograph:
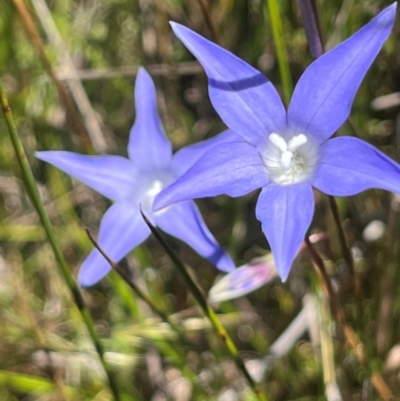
x=206 y=9
x=309 y=13
x=319 y=263
x=346 y=252
x=190 y=375
x=277 y=32
x=209 y=313
x=141 y=294
x=33 y=192
x=350 y=335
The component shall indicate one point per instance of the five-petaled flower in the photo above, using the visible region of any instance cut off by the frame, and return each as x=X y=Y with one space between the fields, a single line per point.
x=133 y=184
x=287 y=153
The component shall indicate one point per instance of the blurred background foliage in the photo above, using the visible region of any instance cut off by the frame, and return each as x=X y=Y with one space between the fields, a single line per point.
x=68 y=68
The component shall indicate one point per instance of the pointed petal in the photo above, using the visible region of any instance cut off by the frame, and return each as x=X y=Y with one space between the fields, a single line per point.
x=183 y=220
x=188 y=156
x=323 y=96
x=244 y=279
x=122 y=229
x=348 y=166
x=244 y=98
x=233 y=169
x=285 y=213
x=112 y=176
x=149 y=147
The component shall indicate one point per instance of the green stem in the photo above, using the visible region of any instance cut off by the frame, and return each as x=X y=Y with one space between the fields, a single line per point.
x=33 y=192
x=209 y=313
x=342 y=237
x=141 y=294
x=277 y=32
x=166 y=349
x=346 y=252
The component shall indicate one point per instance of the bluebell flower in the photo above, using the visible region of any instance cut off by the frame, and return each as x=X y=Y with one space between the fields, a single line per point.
x=287 y=153
x=133 y=184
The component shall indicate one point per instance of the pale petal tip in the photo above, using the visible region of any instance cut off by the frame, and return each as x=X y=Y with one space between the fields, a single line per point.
x=224 y=262
x=284 y=277
x=85 y=281
x=184 y=33
x=93 y=269
x=175 y=26
x=88 y=277
x=283 y=272
x=49 y=156
x=388 y=15
x=141 y=72
x=143 y=82
x=392 y=6
x=41 y=154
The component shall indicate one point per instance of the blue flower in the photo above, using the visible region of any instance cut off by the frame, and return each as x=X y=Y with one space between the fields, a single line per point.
x=287 y=153
x=133 y=184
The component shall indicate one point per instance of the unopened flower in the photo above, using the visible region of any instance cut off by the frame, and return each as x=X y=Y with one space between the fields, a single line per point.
x=133 y=184
x=243 y=280
x=286 y=153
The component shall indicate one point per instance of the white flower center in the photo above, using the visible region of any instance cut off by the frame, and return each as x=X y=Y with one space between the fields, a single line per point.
x=289 y=162
x=155 y=189
x=149 y=195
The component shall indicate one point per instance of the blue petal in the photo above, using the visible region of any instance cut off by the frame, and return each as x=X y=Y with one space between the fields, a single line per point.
x=233 y=169
x=149 y=147
x=348 y=166
x=244 y=98
x=183 y=220
x=112 y=176
x=188 y=156
x=285 y=213
x=323 y=96
x=244 y=279
x=122 y=229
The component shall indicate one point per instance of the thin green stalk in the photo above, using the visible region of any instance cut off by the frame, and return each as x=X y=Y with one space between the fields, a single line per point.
x=277 y=32
x=167 y=349
x=141 y=294
x=346 y=252
x=209 y=313
x=33 y=192
x=342 y=237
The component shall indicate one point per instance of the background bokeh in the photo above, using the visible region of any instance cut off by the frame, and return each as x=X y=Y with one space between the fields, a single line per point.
x=68 y=68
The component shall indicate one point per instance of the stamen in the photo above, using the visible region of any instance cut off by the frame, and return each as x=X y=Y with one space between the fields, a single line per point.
x=278 y=141
x=286 y=159
x=296 y=141
x=292 y=161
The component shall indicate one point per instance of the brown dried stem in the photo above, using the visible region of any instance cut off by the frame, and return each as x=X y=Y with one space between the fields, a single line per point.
x=350 y=335
x=205 y=7
x=73 y=118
